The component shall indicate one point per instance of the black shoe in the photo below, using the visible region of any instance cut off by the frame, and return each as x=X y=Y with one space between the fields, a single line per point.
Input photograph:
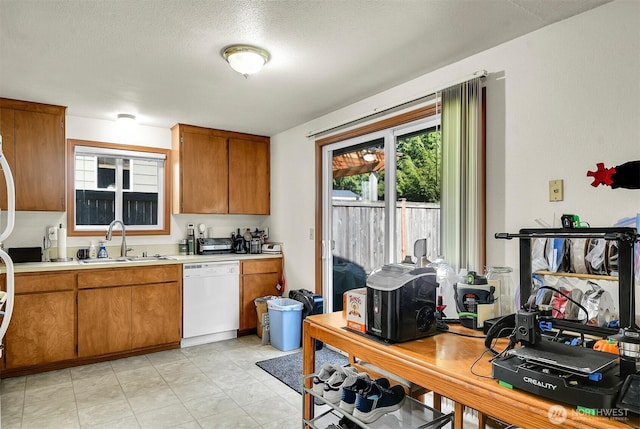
x=357 y=386
x=377 y=402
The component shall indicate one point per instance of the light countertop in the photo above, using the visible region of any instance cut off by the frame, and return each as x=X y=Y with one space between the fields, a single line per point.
x=29 y=267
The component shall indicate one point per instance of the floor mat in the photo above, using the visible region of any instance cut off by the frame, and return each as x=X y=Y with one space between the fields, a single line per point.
x=288 y=369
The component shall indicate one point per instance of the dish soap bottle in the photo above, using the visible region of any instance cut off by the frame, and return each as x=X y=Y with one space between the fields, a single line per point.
x=102 y=253
x=92 y=250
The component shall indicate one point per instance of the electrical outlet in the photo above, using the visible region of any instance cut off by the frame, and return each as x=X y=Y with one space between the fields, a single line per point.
x=556 y=193
x=52 y=233
x=311 y=234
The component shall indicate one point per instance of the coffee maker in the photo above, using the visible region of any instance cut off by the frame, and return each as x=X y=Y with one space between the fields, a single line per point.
x=239 y=242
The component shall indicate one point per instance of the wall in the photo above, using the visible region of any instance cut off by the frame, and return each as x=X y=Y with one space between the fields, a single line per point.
x=30 y=227
x=559 y=100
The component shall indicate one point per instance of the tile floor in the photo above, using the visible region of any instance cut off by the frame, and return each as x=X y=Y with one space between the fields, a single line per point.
x=214 y=385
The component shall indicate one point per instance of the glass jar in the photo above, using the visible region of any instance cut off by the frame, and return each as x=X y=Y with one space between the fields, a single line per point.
x=505 y=286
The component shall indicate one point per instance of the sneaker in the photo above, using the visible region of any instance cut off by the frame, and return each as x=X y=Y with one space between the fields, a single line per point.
x=321 y=378
x=357 y=386
x=333 y=386
x=377 y=402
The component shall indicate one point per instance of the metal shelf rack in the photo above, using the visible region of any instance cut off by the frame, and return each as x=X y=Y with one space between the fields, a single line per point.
x=626 y=239
x=412 y=415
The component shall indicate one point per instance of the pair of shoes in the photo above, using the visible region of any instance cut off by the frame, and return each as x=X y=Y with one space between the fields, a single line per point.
x=378 y=400
x=354 y=386
x=328 y=382
x=321 y=378
x=333 y=386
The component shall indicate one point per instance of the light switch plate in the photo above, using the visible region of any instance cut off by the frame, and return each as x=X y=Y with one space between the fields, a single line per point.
x=556 y=192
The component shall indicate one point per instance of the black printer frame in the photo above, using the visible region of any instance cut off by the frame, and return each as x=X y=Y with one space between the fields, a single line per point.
x=626 y=238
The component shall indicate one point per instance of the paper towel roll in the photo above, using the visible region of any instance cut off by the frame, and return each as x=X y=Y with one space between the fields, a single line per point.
x=62 y=242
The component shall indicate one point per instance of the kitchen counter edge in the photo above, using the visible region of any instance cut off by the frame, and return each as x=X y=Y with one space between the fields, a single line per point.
x=33 y=267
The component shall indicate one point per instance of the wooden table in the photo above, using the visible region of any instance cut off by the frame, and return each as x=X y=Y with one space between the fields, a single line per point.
x=442 y=364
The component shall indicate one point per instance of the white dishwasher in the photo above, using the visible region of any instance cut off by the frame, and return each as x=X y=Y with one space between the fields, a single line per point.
x=211 y=302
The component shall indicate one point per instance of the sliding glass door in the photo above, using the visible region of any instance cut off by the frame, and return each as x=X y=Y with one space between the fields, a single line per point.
x=380 y=194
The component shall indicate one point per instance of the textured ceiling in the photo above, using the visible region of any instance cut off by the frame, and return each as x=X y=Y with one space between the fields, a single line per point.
x=160 y=59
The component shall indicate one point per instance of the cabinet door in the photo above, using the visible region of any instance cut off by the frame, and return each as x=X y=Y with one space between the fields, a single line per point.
x=156 y=314
x=7 y=119
x=204 y=173
x=254 y=286
x=40 y=161
x=104 y=321
x=249 y=180
x=41 y=329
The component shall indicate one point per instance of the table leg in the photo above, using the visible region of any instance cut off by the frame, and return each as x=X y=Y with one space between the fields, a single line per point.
x=458 y=410
x=482 y=420
x=437 y=401
x=308 y=367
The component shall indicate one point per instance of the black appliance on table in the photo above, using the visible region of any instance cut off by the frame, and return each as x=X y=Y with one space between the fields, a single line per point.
x=571 y=374
x=401 y=302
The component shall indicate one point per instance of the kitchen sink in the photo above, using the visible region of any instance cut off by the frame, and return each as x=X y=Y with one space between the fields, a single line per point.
x=127 y=259
x=150 y=258
x=102 y=260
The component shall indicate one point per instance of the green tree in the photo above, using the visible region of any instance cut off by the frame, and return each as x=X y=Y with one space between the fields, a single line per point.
x=419 y=167
x=350 y=183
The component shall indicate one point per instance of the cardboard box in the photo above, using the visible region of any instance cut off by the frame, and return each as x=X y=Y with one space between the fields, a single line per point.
x=354 y=309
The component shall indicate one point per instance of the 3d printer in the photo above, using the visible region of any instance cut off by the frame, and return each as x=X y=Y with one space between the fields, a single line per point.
x=554 y=358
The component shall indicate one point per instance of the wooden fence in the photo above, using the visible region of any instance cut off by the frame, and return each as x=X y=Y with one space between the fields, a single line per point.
x=98 y=207
x=358 y=230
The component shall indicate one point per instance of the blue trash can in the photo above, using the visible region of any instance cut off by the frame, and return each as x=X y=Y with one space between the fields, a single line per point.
x=285 y=323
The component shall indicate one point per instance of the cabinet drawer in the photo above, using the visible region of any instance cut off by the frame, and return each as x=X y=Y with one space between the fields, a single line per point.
x=44 y=282
x=128 y=276
x=261 y=266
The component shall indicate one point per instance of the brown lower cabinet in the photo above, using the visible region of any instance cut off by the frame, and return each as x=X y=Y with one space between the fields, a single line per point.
x=126 y=309
x=62 y=319
x=154 y=319
x=42 y=328
x=104 y=321
x=258 y=278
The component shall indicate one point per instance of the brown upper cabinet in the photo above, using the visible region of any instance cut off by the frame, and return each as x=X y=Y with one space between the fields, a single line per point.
x=222 y=172
x=33 y=141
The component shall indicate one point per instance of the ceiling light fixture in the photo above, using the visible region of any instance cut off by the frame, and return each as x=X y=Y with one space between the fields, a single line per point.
x=369 y=157
x=245 y=59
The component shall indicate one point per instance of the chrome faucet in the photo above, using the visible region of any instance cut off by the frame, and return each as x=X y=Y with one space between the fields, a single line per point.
x=123 y=247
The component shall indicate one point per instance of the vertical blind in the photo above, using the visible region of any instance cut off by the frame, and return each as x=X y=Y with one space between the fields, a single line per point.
x=462 y=219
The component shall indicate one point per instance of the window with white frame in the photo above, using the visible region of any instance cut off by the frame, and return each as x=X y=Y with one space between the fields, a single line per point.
x=112 y=183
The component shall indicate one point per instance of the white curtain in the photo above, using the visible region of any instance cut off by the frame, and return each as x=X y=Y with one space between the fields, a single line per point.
x=463 y=176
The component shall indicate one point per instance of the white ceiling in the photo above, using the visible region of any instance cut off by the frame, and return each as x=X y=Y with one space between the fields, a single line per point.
x=160 y=59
